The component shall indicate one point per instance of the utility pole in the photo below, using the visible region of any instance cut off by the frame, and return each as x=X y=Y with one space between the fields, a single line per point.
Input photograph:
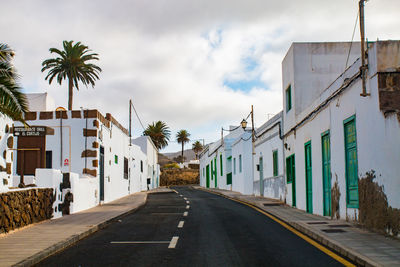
x=130 y=122
x=364 y=67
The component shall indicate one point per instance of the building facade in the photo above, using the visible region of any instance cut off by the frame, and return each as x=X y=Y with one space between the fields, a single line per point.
x=332 y=135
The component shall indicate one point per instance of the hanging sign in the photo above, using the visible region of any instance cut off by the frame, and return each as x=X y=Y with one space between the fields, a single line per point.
x=66 y=162
x=30 y=131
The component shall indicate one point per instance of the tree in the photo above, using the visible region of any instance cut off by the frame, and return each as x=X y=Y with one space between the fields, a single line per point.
x=197 y=147
x=159 y=133
x=71 y=64
x=182 y=137
x=13 y=102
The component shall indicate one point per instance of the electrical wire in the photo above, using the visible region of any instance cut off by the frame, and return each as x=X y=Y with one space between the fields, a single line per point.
x=137 y=115
x=352 y=38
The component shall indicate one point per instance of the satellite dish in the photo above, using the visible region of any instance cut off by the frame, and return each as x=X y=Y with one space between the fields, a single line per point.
x=60 y=109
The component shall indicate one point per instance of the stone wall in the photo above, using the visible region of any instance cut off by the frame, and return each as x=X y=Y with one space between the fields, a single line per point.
x=20 y=208
x=179 y=177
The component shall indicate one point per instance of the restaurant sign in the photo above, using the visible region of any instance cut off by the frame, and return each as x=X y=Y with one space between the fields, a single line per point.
x=30 y=131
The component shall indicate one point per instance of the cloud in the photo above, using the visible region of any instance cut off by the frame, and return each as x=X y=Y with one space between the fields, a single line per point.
x=197 y=65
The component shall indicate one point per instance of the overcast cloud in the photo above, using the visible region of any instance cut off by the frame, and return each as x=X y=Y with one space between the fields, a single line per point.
x=197 y=65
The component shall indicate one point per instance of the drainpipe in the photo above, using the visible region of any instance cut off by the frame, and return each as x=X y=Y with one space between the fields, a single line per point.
x=86 y=138
x=61 y=139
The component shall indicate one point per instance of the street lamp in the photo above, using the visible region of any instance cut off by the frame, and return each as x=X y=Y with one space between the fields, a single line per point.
x=244 y=124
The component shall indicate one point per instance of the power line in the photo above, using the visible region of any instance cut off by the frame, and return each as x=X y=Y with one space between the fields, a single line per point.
x=137 y=115
x=352 y=38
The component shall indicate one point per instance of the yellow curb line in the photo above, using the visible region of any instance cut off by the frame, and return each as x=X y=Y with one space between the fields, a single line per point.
x=290 y=228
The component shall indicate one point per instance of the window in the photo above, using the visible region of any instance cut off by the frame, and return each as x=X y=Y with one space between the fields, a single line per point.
x=220 y=163
x=141 y=166
x=288 y=98
x=240 y=163
x=49 y=159
x=125 y=168
x=290 y=169
x=275 y=162
x=116 y=159
x=234 y=165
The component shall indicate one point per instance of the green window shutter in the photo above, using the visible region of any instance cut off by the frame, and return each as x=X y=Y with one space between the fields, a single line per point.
x=116 y=159
x=215 y=166
x=240 y=163
x=212 y=170
x=234 y=165
x=220 y=163
x=275 y=162
x=289 y=98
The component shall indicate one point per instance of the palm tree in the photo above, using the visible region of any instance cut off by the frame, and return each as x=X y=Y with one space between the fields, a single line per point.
x=197 y=147
x=71 y=64
x=182 y=137
x=159 y=133
x=13 y=102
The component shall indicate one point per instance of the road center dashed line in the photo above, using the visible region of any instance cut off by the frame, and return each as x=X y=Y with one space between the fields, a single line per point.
x=180 y=195
x=185 y=213
x=185 y=198
x=187 y=201
x=187 y=207
x=173 y=242
x=180 y=225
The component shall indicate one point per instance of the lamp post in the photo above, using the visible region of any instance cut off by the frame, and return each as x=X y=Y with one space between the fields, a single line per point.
x=253 y=139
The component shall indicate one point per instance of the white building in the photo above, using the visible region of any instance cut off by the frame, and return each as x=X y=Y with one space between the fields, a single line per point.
x=269 y=160
x=216 y=164
x=242 y=158
x=331 y=133
x=151 y=162
x=94 y=150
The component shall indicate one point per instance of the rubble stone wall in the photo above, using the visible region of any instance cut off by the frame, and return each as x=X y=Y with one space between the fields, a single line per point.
x=23 y=207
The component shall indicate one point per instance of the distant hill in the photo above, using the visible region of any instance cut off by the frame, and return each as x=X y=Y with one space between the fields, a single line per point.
x=187 y=153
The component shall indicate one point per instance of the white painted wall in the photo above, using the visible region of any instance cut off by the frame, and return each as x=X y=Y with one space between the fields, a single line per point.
x=378 y=138
x=242 y=181
x=6 y=180
x=151 y=164
x=40 y=102
x=50 y=178
x=267 y=141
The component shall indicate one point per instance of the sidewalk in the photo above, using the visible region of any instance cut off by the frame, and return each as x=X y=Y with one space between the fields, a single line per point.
x=361 y=246
x=32 y=244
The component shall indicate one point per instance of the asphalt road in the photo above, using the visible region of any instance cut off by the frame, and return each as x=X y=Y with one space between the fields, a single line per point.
x=216 y=232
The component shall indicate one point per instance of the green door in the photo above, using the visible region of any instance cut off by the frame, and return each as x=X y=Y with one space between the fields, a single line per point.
x=350 y=142
x=308 y=168
x=291 y=176
x=326 y=173
x=261 y=177
x=215 y=172
x=208 y=176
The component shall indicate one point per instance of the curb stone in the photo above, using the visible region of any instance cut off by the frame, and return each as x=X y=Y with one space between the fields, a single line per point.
x=344 y=251
x=38 y=257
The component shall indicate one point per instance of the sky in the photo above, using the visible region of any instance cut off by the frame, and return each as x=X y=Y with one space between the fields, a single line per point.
x=196 y=65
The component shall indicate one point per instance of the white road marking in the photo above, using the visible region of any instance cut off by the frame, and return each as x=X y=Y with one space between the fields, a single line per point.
x=180 y=225
x=180 y=195
x=185 y=198
x=165 y=213
x=187 y=207
x=175 y=191
x=140 y=242
x=173 y=242
x=187 y=202
x=185 y=213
